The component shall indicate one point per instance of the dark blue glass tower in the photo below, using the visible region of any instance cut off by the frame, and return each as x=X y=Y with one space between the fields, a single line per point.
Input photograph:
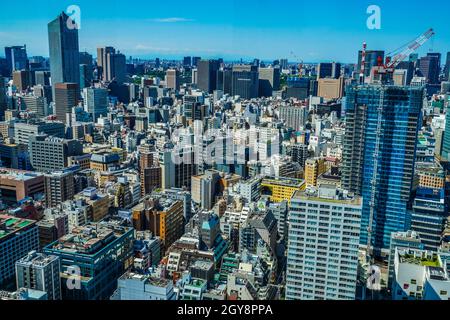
x=382 y=124
x=64 y=50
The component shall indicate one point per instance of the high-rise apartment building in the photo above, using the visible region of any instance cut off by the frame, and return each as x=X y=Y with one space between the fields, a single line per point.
x=39 y=272
x=382 y=124
x=323 y=236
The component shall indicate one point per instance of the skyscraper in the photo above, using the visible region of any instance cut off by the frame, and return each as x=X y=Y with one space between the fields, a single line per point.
x=430 y=67
x=16 y=58
x=64 y=51
x=446 y=139
x=207 y=75
x=39 y=272
x=322 y=258
x=112 y=63
x=66 y=97
x=382 y=124
x=329 y=70
x=173 y=79
x=245 y=81
x=269 y=81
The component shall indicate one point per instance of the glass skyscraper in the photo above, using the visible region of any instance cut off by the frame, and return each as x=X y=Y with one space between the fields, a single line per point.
x=64 y=51
x=382 y=124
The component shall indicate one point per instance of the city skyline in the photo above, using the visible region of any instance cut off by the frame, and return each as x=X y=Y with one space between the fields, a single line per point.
x=153 y=32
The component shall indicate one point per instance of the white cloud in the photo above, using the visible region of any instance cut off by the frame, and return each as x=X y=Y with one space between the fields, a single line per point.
x=171 y=20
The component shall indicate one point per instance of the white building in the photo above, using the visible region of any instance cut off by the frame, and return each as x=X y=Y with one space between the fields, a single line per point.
x=419 y=275
x=323 y=238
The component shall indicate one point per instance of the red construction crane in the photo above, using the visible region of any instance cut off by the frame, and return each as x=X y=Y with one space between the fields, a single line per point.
x=393 y=59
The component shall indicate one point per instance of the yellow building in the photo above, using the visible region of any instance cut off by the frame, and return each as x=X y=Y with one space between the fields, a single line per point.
x=281 y=189
x=313 y=169
x=98 y=203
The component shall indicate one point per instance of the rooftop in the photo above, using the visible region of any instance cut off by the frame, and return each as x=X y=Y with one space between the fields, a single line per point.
x=328 y=193
x=89 y=239
x=10 y=225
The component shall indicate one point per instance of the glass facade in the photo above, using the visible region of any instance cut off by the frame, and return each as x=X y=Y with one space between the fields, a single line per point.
x=382 y=128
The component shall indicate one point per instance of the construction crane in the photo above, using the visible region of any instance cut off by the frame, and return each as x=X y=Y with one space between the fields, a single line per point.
x=385 y=70
x=300 y=65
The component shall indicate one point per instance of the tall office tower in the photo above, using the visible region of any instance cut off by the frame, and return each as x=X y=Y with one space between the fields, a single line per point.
x=294 y=117
x=43 y=91
x=22 y=80
x=187 y=61
x=64 y=51
x=382 y=124
x=112 y=63
x=329 y=70
x=227 y=80
x=3 y=101
x=173 y=79
x=86 y=76
x=86 y=58
x=373 y=58
x=66 y=97
x=58 y=187
x=17 y=58
x=36 y=104
x=447 y=67
x=245 y=81
x=195 y=61
x=269 y=81
x=104 y=251
x=38 y=271
x=17 y=238
x=446 y=137
x=284 y=64
x=430 y=67
x=96 y=102
x=42 y=78
x=50 y=153
x=409 y=67
x=207 y=75
x=322 y=256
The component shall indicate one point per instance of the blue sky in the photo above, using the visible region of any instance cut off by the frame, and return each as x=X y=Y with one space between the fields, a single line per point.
x=323 y=30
